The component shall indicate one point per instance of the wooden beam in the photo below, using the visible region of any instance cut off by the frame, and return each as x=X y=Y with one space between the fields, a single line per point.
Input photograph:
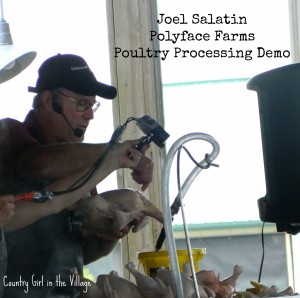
x=139 y=93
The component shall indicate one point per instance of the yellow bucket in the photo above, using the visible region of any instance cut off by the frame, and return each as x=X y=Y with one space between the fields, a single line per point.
x=152 y=261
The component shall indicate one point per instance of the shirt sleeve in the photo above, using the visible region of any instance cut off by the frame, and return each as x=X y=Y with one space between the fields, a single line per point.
x=14 y=139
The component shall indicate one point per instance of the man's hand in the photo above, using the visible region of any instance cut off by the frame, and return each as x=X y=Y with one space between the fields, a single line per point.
x=143 y=171
x=137 y=161
x=6 y=209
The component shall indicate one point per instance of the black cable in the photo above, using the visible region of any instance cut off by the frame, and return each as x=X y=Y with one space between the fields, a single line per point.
x=263 y=252
x=175 y=207
x=85 y=178
x=209 y=163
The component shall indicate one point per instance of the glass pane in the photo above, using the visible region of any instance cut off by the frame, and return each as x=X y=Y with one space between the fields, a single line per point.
x=209 y=95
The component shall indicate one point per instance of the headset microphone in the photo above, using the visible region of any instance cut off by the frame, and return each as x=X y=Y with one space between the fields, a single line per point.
x=77 y=131
x=58 y=109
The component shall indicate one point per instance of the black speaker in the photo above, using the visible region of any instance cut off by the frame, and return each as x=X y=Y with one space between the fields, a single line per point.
x=278 y=92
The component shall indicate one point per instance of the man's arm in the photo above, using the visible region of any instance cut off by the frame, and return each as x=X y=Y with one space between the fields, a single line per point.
x=28 y=212
x=52 y=163
x=7 y=208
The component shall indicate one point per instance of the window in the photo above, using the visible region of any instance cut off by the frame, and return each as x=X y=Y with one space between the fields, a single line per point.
x=209 y=95
x=223 y=253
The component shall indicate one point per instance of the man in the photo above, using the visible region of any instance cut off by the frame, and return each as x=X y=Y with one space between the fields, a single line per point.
x=46 y=151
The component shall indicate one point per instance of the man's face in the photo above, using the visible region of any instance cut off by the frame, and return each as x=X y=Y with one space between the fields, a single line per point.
x=77 y=111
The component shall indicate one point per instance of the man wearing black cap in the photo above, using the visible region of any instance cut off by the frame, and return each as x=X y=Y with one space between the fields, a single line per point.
x=45 y=149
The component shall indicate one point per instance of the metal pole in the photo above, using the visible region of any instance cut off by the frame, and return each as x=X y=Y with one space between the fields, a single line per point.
x=166 y=201
x=1 y=11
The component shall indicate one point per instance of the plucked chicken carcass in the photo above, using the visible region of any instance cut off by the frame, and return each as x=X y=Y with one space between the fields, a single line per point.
x=148 y=286
x=222 y=288
x=109 y=286
x=187 y=283
x=112 y=214
x=162 y=286
x=260 y=290
x=209 y=285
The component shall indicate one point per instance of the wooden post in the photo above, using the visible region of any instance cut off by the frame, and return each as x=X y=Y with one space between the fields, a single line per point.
x=139 y=93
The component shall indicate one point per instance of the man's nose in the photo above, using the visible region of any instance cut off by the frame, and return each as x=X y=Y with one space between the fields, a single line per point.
x=89 y=114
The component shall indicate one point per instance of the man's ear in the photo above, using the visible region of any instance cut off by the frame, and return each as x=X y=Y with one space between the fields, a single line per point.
x=47 y=100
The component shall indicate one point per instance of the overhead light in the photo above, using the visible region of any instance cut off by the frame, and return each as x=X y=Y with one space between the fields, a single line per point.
x=12 y=59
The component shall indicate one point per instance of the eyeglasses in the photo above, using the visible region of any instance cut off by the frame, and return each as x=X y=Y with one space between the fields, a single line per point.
x=83 y=104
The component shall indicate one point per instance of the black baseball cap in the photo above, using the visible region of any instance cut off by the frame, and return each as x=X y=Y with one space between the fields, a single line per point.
x=70 y=72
